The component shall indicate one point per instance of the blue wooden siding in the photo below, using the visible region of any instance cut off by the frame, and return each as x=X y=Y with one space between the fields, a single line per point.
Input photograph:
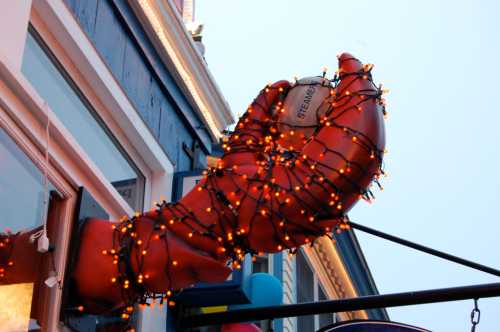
x=120 y=40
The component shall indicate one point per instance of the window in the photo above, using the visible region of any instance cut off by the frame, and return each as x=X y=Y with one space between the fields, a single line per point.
x=53 y=84
x=309 y=289
x=21 y=188
x=324 y=319
x=305 y=291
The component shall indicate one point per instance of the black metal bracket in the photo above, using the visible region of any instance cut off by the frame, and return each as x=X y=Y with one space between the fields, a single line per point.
x=425 y=249
x=351 y=304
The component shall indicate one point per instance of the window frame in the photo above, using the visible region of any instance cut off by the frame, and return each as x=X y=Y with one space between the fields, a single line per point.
x=317 y=283
x=67 y=191
x=332 y=274
x=309 y=266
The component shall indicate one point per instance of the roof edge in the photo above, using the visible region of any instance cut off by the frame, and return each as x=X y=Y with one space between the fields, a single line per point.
x=164 y=26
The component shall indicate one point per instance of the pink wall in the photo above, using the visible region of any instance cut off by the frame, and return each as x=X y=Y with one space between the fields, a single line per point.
x=14 y=17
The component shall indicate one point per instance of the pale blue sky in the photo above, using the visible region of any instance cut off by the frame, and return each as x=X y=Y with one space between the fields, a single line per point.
x=440 y=60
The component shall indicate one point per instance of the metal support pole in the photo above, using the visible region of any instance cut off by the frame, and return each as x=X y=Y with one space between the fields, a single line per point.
x=352 y=304
x=425 y=249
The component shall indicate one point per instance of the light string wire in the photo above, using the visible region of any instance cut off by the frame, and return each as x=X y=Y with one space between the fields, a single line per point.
x=291 y=192
x=270 y=198
x=45 y=177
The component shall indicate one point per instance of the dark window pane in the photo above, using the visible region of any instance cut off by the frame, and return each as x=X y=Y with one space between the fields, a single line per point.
x=261 y=264
x=324 y=319
x=75 y=112
x=305 y=291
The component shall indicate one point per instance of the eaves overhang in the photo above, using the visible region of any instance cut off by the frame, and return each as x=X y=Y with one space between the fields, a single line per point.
x=165 y=28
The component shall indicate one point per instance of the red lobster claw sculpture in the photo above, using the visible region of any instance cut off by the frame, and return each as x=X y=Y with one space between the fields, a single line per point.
x=279 y=185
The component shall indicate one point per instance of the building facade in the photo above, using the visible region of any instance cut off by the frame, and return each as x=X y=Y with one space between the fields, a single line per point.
x=329 y=269
x=102 y=104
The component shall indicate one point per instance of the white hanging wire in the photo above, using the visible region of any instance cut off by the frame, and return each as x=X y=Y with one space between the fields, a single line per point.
x=45 y=180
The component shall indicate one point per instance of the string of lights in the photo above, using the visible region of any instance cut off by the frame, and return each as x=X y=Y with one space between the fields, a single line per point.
x=262 y=196
x=280 y=184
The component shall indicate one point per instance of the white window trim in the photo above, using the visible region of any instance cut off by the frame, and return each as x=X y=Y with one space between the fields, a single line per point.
x=106 y=95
